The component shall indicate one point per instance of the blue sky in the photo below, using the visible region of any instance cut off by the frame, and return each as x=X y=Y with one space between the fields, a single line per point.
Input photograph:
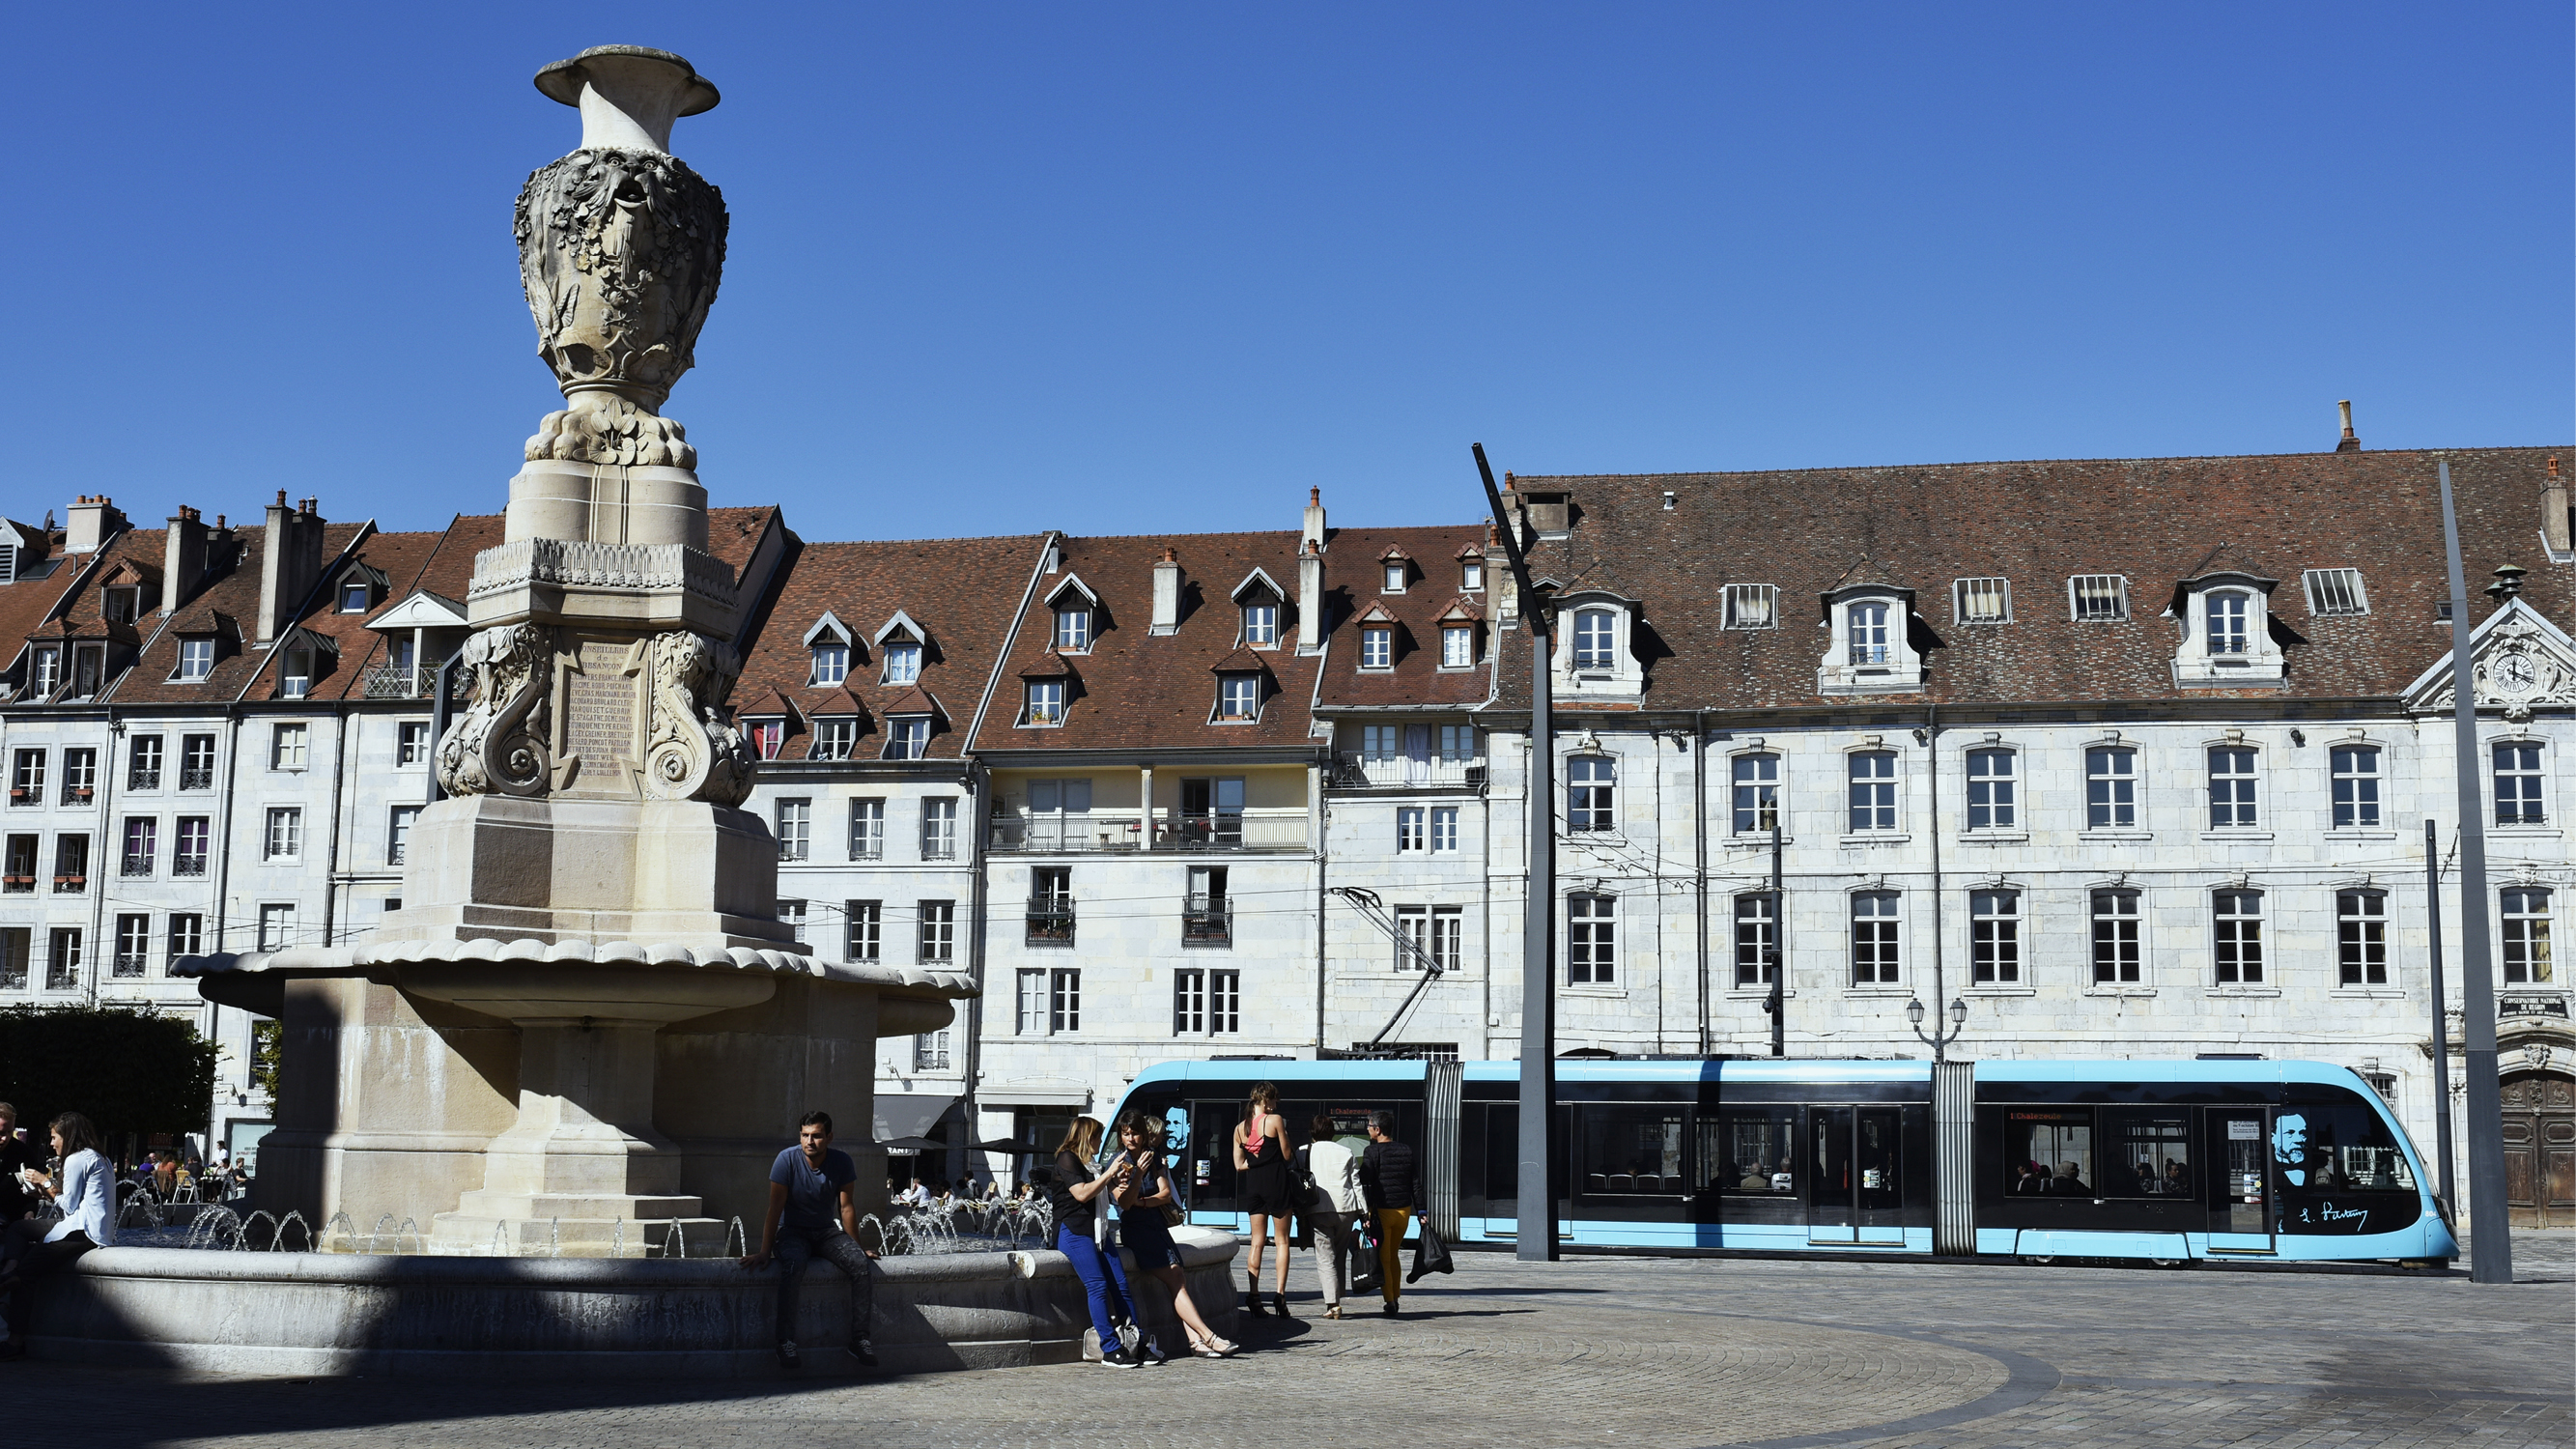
x=1128 y=269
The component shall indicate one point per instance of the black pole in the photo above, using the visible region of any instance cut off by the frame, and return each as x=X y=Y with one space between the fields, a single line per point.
x=2441 y=1023
x=1535 y=1240
x=2490 y=1224
x=1779 y=1002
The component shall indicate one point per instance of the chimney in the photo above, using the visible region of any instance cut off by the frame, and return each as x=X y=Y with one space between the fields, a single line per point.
x=183 y=558
x=2553 y=512
x=2350 y=443
x=93 y=521
x=1167 y=595
x=1501 y=587
x=288 y=564
x=1314 y=531
x=1310 y=591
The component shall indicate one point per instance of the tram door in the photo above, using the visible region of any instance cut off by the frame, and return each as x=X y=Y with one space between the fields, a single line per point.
x=2240 y=1180
x=1854 y=1174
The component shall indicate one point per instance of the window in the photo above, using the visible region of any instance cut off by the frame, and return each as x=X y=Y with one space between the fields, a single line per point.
x=120 y=605
x=71 y=864
x=1189 y=1002
x=2048 y=1152
x=2356 y=785
x=2225 y=615
x=1073 y=630
x=1377 y=647
x=864 y=937
x=1994 y=937
x=1444 y=829
x=196 y=661
x=2517 y=783
x=195 y=840
x=1458 y=744
x=285 y=837
x=902 y=664
x=1591 y=783
x=2526 y=935
x=2110 y=788
x=1238 y=696
x=1225 y=1002
x=2336 y=592
x=398 y=833
x=939 y=829
x=1591 y=940
x=1050 y=916
x=1471 y=574
x=1757 y=793
x=930 y=1051
x=18 y=865
x=286 y=745
x=27 y=778
x=63 y=961
x=142 y=843
x=1448 y=936
x=907 y=737
x=353 y=597
x=867 y=829
x=1595 y=638
x=1382 y=744
x=2231 y=788
x=295 y=676
x=13 y=959
x=1033 y=1003
x=1749 y=1151
x=1045 y=702
x=1064 y=1000
x=187 y=935
x=2361 y=938
x=1982 y=601
x=143 y=763
x=1412 y=937
x=45 y=673
x=795 y=829
x=276 y=927
x=791 y=914
x=197 y=762
x=831 y=664
x=411 y=743
x=1990 y=790
x=1261 y=624
x=1875 y=951
x=1873 y=790
x=1409 y=832
x=1752 y=606
x=1457 y=646
x=2236 y=919
x=1211 y=810
x=833 y=738
x=80 y=776
x=938 y=933
x=1757 y=939
x=133 y=946
x=768 y=737
x=1866 y=628
x=2098 y=598
x=2115 y=937
x=1395 y=576
x=1206 y=917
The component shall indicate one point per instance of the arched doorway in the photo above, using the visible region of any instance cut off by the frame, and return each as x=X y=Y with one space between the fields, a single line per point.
x=2540 y=1148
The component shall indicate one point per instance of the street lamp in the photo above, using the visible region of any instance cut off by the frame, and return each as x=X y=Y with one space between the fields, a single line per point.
x=1939 y=1042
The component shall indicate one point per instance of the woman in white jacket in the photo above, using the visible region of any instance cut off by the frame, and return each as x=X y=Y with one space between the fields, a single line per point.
x=87 y=1196
x=1336 y=1172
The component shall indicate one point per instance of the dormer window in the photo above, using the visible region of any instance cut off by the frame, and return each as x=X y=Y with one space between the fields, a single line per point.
x=1377 y=647
x=295 y=676
x=907 y=737
x=1044 y=702
x=196 y=661
x=833 y=738
x=45 y=672
x=1457 y=646
x=2224 y=614
x=1872 y=651
x=902 y=666
x=1394 y=576
x=1261 y=623
x=354 y=596
x=2226 y=632
x=1073 y=628
x=1593 y=652
x=768 y=737
x=831 y=663
x=1596 y=638
x=1866 y=628
x=1238 y=696
x=1471 y=573
x=121 y=605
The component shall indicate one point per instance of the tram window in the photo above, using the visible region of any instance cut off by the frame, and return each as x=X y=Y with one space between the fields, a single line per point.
x=1751 y=1152
x=1632 y=1150
x=2145 y=1154
x=2048 y=1153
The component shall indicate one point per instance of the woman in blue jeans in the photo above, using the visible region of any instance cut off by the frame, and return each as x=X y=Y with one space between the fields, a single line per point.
x=1075 y=1195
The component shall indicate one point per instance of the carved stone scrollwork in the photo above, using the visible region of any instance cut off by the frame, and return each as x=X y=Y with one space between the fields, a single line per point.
x=619 y=252
x=498 y=746
x=691 y=749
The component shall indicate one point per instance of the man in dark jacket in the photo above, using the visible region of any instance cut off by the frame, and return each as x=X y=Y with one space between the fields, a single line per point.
x=16 y=1153
x=1391 y=1183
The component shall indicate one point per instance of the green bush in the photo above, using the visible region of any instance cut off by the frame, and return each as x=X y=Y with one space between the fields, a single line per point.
x=124 y=1068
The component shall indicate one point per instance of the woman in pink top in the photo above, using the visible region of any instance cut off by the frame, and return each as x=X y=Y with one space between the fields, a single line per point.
x=1261 y=1189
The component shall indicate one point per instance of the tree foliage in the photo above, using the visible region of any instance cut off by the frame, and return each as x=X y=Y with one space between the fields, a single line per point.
x=125 y=1068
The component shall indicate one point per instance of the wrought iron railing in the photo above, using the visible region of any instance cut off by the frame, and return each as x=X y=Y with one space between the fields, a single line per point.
x=1207 y=921
x=1358 y=771
x=1050 y=921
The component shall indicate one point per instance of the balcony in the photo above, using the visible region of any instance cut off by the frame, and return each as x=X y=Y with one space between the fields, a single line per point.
x=1404 y=772
x=78 y=794
x=26 y=794
x=187 y=865
x=192 y=778
x=136 y=865
x=17 y=885
x=1207 y=921
x=1050 y=921
x=67 y=885
x=140 y=778
x=127 y=965
x=1164 y=830
x=400 y=681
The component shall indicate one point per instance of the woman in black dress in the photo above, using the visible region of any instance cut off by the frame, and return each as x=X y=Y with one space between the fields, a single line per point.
x=1261 y=1189
x=1147 y=1236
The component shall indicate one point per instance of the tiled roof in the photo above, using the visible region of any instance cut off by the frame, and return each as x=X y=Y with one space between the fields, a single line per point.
x=2156 y=521
x=1352 y=572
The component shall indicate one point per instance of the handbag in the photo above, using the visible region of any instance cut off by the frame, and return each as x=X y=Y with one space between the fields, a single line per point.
x=1365 y=1273
x=1430 y=1254
x=1305 y=1194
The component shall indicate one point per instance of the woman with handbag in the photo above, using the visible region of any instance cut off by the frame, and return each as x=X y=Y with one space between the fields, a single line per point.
x=1147 y=1213
x=1329 y=1180
x=1261 y=1189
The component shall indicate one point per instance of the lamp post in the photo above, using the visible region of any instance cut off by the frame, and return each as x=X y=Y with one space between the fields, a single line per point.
x=1941 y=1039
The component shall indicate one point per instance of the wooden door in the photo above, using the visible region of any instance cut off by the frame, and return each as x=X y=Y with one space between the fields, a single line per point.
x=2540 y=1149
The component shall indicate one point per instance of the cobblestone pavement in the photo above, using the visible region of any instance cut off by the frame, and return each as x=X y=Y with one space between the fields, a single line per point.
x=1593 y=1351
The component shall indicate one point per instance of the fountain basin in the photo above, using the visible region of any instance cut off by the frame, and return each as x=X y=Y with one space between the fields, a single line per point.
x=305 y=1314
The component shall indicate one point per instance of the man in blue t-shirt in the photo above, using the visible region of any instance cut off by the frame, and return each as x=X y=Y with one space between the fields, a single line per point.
x=809 y=1187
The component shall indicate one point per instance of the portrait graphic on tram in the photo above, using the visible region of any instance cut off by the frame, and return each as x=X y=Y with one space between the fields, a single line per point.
x=2339 y=1172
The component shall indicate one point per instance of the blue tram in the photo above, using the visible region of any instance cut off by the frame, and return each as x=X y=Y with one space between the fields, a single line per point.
x=2162 y=1160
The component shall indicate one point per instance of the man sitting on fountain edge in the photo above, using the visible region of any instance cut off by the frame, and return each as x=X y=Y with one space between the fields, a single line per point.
x=803 y=1185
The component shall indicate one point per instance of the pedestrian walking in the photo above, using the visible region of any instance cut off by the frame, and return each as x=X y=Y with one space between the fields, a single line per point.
x=1075 y=1195
x=1261 y=1189
x=809 y=1185
x=1146 y=1209
x=1391 y=1182
x=1333 y=1206
x=30 y=1248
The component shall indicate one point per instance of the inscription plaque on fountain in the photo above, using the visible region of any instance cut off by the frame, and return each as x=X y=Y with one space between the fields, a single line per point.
x=599 y=716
